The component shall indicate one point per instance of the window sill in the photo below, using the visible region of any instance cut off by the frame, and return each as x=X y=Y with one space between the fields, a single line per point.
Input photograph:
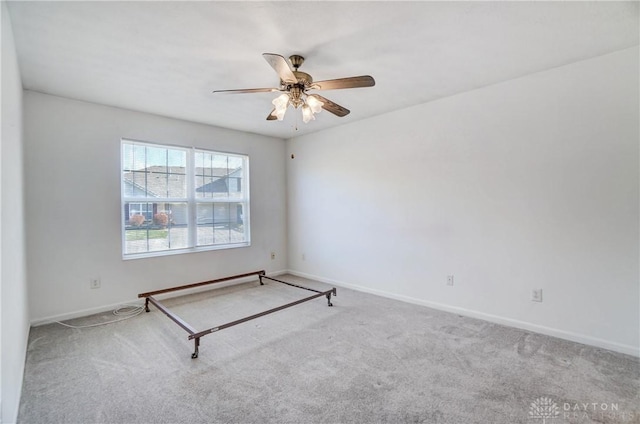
x=183 y=251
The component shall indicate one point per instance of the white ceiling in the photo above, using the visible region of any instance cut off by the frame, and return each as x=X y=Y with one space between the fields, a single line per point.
x=167 y=57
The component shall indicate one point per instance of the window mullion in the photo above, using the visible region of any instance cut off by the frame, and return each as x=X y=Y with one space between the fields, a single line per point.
x=191 y=198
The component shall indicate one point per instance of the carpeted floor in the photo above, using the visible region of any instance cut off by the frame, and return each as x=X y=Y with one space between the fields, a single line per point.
x=366 y=360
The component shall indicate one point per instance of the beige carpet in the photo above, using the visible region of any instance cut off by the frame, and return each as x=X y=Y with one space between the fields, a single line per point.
x=367 y=359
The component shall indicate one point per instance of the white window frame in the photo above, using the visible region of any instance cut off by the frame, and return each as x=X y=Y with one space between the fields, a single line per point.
x=191 y=200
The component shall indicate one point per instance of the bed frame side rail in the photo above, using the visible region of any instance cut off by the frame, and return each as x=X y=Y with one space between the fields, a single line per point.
x=204 y=283
x=327 y=293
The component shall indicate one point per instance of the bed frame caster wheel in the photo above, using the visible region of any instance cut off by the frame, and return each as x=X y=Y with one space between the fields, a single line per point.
x=194 y=355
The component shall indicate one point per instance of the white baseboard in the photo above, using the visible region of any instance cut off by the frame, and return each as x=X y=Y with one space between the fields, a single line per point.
x=137 y=301
x=523 y=325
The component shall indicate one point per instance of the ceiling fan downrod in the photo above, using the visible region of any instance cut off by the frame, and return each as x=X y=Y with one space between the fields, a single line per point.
x=296 y=61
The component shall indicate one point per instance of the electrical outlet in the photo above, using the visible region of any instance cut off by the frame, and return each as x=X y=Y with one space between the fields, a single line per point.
x=536 y=295
x=449 y=280
x=94 y=283
x=304 y=257
x=273 y=255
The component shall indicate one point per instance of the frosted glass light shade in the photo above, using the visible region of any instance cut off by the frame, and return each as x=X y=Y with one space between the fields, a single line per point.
x=314 y=104
x=307 y=114
x=280 y=103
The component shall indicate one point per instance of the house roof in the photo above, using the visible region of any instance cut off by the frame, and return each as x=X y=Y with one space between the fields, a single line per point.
x=159 y=181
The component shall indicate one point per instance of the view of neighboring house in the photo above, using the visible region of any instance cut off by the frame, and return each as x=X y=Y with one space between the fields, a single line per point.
x=216 y=188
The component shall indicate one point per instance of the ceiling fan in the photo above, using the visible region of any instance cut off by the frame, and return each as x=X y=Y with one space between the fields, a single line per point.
x=294 y=86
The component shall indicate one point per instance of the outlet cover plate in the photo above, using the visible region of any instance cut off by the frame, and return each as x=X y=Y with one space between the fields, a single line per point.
x=536 y=295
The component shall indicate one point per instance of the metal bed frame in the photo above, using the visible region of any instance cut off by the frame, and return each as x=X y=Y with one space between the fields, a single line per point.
x=195 y=335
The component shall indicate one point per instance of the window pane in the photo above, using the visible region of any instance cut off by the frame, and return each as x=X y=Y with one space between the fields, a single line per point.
x=156 y=159
x=235 y=163
x=127 y=157
x=167 y=184
x=220 y=223
x=219 y=165
x=152 y=227
x=133 y=157
x=135 y=184
x=154 y=171
x=212 y=187
x=218 y=176
x=177 y=183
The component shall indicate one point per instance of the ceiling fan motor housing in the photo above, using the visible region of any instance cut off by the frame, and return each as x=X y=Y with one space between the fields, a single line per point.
x=304 y=79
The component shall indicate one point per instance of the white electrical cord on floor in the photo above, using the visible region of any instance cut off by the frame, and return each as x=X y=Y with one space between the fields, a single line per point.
x=127 y=311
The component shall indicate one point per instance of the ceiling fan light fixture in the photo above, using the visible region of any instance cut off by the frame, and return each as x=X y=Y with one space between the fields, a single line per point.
x=307 y=114
x=280 y=103
x=279 y=113
x=314 y=104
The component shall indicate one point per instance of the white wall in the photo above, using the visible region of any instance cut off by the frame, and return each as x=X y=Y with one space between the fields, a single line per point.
x=72 y=162
x=13 y=279
x=531 y=183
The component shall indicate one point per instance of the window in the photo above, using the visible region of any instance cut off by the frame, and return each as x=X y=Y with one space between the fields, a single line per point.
x=177 y=200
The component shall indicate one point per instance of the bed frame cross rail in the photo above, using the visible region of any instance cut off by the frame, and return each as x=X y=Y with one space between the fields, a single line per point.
x=289 y=284
x=175 y=318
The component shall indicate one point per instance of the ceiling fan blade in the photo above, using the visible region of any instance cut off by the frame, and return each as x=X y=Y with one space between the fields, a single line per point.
x=272 y=117
x=352 y=82
x=280 y=65
x=247 y=90
x=332 y=107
